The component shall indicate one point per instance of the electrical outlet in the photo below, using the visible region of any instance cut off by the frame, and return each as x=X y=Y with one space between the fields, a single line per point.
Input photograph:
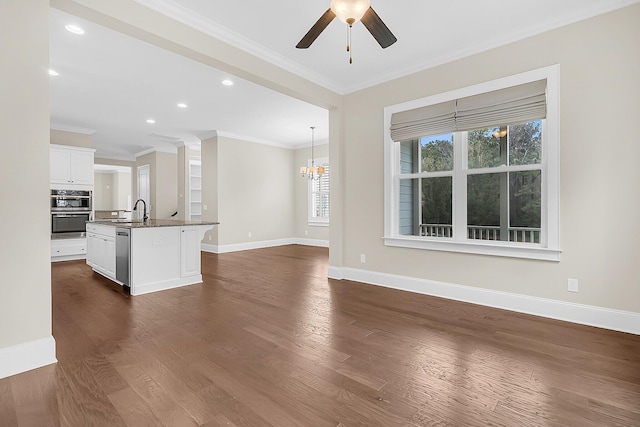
x=572 y=285
x=306 y=232
x=249 y=234
x=363 y=258
x=209 y=238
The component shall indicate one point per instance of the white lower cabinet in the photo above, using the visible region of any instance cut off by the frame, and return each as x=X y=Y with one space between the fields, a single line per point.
x=160 y=257
x=190 y=238
x=101 y=249
x=68 y=249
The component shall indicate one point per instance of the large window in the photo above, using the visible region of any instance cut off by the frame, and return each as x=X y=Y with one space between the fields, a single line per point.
x=476 y=170
x=319 y=195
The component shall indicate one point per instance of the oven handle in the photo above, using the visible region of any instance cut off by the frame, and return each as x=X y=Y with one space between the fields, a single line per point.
x=66 y=215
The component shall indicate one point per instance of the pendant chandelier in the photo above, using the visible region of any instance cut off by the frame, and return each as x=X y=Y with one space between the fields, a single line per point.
x=312 y=172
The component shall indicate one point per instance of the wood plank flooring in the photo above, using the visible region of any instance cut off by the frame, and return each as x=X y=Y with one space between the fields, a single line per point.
x=267 y=340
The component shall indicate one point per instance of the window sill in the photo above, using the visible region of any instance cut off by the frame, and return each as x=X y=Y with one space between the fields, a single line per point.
x=318 y=224
x=479 y=248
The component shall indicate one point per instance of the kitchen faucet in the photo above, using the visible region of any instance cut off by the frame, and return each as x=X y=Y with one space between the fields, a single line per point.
x=145 y=217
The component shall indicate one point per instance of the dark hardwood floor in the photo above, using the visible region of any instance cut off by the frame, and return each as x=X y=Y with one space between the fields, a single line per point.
x=267 y=340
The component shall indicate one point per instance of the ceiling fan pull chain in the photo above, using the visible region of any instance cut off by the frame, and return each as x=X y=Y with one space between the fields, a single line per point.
x=349 y=44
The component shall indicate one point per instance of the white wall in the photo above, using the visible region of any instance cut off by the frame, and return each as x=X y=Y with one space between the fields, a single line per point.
x=25 y=282
x=600 y=231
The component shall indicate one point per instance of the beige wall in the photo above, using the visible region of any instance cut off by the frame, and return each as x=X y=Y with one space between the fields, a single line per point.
x=255 y=192
x=103 y=190
x=74 y=139
x=25 y=263
x=111 y=190
x=163 y=189
x=124 y=179
x=185 y=153
x=166 y=185
x=301 y=191
x=600 y=231
x=210 y=183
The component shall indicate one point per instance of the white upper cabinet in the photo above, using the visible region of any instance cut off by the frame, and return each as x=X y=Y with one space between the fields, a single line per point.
x=71 y=167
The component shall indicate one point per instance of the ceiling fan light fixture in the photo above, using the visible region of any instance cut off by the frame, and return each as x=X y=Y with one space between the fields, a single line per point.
x=350 y=11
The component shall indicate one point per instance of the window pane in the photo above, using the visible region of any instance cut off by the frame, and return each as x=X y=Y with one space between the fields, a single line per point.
x=484 y=148
x=525 y=143
x=436 y=153
x=483 y=206
x=490 y=217
x=436 y=207
x=425 y=207
x=525 y=206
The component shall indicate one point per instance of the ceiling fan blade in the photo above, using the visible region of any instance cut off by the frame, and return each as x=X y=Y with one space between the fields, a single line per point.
x=317 y=28
x=378 y=29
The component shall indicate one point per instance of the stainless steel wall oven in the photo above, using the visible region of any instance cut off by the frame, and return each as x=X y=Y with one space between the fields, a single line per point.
x=70 y=200
x=70 y=211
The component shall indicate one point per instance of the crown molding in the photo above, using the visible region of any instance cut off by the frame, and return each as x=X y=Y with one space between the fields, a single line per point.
x=256 y=140
x=183 y=15
x=175 y=11
x=66 y=128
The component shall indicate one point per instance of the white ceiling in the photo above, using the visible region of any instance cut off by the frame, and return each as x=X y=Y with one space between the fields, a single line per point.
x=112 y=83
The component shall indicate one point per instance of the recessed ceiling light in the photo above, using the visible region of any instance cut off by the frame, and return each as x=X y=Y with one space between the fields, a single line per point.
x=182 y=105
x=74 y=29
x=151 y=121
x=227 y=82
x=53 y=72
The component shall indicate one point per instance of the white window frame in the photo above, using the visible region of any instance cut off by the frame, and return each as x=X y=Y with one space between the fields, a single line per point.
x=311 y=220
x=549 y=247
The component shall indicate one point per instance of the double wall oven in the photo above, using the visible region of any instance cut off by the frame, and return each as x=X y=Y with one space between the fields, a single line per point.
x=70 y=210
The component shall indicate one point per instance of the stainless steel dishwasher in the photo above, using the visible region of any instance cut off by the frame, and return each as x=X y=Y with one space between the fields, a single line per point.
x=123 y=255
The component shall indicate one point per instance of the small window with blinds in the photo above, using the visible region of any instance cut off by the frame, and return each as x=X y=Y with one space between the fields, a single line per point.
x=319 y=195
x=476 y=169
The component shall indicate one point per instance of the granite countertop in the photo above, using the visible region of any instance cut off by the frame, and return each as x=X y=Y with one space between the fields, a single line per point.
x=149 y=223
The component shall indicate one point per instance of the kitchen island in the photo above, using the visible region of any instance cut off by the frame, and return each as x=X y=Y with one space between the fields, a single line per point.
x=147 y=256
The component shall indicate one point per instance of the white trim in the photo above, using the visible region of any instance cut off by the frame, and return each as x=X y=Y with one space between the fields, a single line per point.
x=601 y=317
x=255 y=140
x=480 y=247
x=164 y=285
x=336 y=273
x=236 y=247
x=312 y=242
x=74 y=129
x=26 y=356
x=318 y=223
x=68 y=257
x=549 y=247
x=170 y=150
x=181 y=14
x=185 y=16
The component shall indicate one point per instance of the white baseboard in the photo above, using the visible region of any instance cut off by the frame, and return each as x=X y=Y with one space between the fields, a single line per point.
x=26 y=356
x=617 y=320
x=67 y=258
x=222 y=249
x=312 y=242
x=166 y=284
x=335 y=273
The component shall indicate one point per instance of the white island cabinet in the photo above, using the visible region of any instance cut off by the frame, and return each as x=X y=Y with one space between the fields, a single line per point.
x=162 y=254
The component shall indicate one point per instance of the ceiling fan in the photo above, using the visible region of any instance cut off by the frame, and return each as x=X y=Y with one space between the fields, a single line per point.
x=350 y=12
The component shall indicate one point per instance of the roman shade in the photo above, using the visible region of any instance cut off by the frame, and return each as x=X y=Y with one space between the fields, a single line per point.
x=515 y=104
